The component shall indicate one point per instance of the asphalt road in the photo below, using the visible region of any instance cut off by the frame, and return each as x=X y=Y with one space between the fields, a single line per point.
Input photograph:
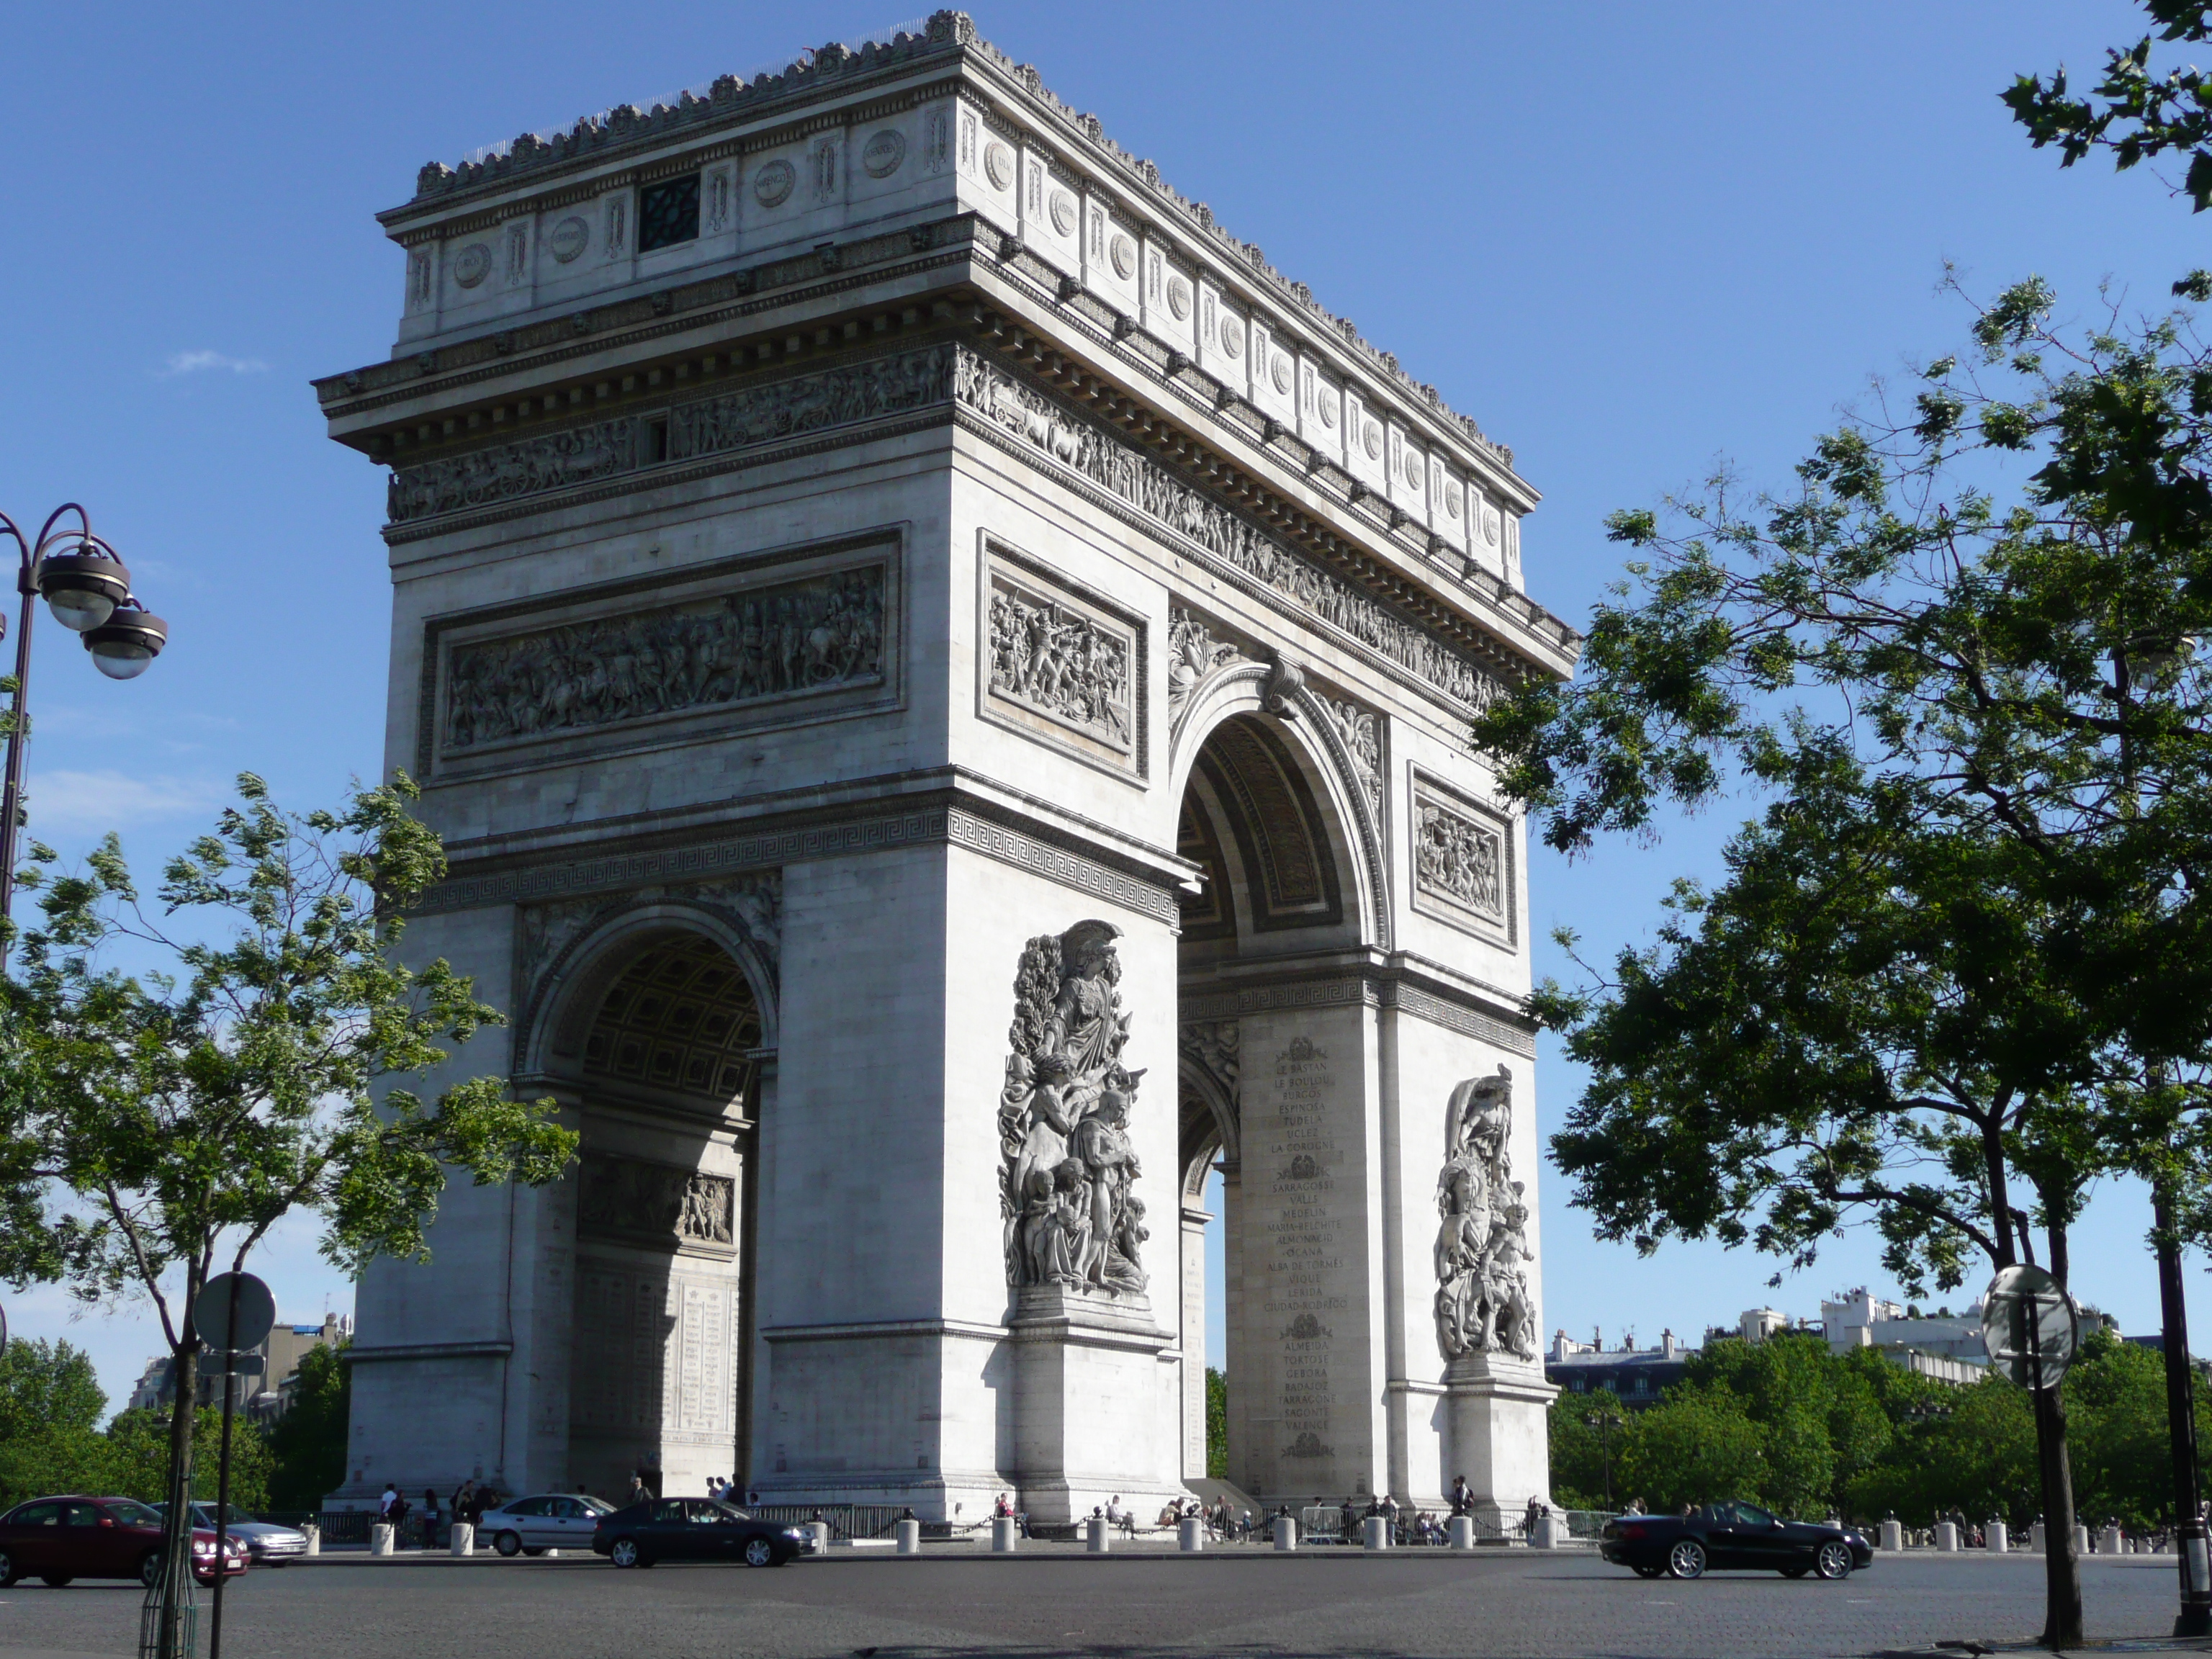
x=1139 y=1604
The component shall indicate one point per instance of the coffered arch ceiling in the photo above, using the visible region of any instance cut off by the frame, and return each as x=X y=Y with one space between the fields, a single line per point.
x=1268 y=844
x=679 y=1020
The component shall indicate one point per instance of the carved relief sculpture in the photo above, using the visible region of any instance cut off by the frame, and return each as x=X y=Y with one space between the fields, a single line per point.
x=1362 y=731
x=657 y=1201
x=1483 y=1304
x=733 y=420
x=818 y=635
x=1460 y=860
x=1121 y=471
x=1067 y=1215
x=1059 y=662
x=1192 y=653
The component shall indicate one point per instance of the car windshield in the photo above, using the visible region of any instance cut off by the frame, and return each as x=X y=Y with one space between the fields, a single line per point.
x=205 y=1515
x=732 y=1512
x=132 y=1513
x=596 y=1505
x=1751 y=1515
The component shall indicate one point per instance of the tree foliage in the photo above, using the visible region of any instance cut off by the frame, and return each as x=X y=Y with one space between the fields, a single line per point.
x=1807 y=1432
x=150 y=1123
x=2134 y=112
x=308 y=1444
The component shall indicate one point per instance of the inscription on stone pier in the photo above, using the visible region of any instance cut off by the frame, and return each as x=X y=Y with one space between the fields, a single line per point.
x=1304 y=1247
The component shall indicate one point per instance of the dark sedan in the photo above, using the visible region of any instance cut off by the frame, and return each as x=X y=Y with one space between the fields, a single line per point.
x=695 y=1529
x=61 y=1539
x=1731 y=1534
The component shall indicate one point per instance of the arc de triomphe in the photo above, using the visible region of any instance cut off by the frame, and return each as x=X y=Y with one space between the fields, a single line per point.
x=945 y=681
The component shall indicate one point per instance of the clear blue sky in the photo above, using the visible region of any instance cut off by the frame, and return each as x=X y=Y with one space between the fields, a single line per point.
x=1627 y=239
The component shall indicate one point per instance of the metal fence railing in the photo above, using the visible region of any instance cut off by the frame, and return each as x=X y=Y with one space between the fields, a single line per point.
x=845 y=1521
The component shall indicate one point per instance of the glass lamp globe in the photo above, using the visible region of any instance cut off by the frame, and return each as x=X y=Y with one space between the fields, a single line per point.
x=80 y=609
x=121 y=661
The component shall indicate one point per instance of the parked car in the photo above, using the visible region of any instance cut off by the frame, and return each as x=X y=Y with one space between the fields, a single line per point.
x=59 y=1540
x=550 y=1521
x=1732 y=1535
x=268 y=1544
x=695 y=1529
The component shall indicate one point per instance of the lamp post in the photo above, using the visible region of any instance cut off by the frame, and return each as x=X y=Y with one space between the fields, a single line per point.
x=1605 y=1422
x=87 y=589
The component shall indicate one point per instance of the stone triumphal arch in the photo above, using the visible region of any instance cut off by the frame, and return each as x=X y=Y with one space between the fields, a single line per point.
x=944 y=679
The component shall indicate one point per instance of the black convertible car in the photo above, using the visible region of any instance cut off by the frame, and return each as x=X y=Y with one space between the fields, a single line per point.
x=695 y=1529
x=1732 y=1535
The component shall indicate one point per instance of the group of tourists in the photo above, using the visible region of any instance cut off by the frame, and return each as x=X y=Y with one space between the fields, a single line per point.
x=467 y=1506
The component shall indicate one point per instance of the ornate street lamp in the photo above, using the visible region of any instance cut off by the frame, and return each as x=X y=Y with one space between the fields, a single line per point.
x=87 y=589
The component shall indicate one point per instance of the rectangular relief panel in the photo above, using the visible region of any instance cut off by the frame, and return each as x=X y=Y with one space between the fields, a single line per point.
x=1059 y=664
x=804 y=635
x=1462 y=862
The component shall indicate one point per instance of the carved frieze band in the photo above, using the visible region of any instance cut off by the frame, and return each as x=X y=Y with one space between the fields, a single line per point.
x=742 y=418
x=852 y=837
x=788 y=640
x=1125 y=475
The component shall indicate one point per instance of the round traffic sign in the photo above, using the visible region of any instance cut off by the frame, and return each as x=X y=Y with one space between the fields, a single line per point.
x=254 y=1307
x=2030 y=1327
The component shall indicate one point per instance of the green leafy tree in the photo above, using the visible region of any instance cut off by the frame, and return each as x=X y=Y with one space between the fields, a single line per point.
x=1216 y=1424
x=1696 y=1446
x=51 y=1404
x=2134 y=112
x=308 y=1444
x=153 y=1129
x=1974 y=1456
x=139 y=1452
x=1585 y=1456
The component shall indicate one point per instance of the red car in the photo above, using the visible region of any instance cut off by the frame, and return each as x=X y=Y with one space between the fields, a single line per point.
x=57 y=1540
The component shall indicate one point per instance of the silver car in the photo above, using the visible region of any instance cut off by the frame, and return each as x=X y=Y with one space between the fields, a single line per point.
x=550 y=1521
x=267 y=1543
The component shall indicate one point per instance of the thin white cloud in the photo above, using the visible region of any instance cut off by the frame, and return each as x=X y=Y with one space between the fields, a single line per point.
x=191 y=362
x=95 y=802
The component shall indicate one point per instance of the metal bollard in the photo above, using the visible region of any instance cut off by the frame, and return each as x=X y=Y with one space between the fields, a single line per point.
x=1947 y=1536
x=314 y=1536
x=379 y=1537
x=2109 y=1544
x=1286 y=1533
x=1893 y=1536
x=1190 y=1536
x=2035 y=1538
x=462 y=1539
x=909 y=1533
x=1462 y=1533
x=1006 y=1534
x=1375 y=1532
x=2081 y=1540
x=1551 y=1529
x=1099 y=1535
x=1999 y=1539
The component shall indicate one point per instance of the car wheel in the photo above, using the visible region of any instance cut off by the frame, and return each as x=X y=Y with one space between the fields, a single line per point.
x=58 y=1580
x=623 y=1554
x=759 y=1553
x=1649 y=1572
x=8 y=1573
x=1834 y=1559
x=1687 y=1560
x=150 y=1568
x=508 y=1543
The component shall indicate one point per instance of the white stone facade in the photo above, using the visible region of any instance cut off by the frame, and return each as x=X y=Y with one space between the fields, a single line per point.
x=948 y=541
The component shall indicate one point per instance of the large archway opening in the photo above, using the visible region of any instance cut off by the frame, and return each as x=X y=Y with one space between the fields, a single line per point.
x=663 y=1281
x=1279 y=899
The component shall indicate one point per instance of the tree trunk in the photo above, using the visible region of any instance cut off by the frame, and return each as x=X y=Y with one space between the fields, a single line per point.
x=170 y=1594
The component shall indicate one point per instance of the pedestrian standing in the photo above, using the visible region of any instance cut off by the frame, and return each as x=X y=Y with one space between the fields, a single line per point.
x=429 y=1519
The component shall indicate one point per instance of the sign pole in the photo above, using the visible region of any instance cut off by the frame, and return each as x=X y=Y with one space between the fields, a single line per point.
x=222 y=1474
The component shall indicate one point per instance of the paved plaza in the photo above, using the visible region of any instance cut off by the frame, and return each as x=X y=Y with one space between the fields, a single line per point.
x=1137 y=1603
